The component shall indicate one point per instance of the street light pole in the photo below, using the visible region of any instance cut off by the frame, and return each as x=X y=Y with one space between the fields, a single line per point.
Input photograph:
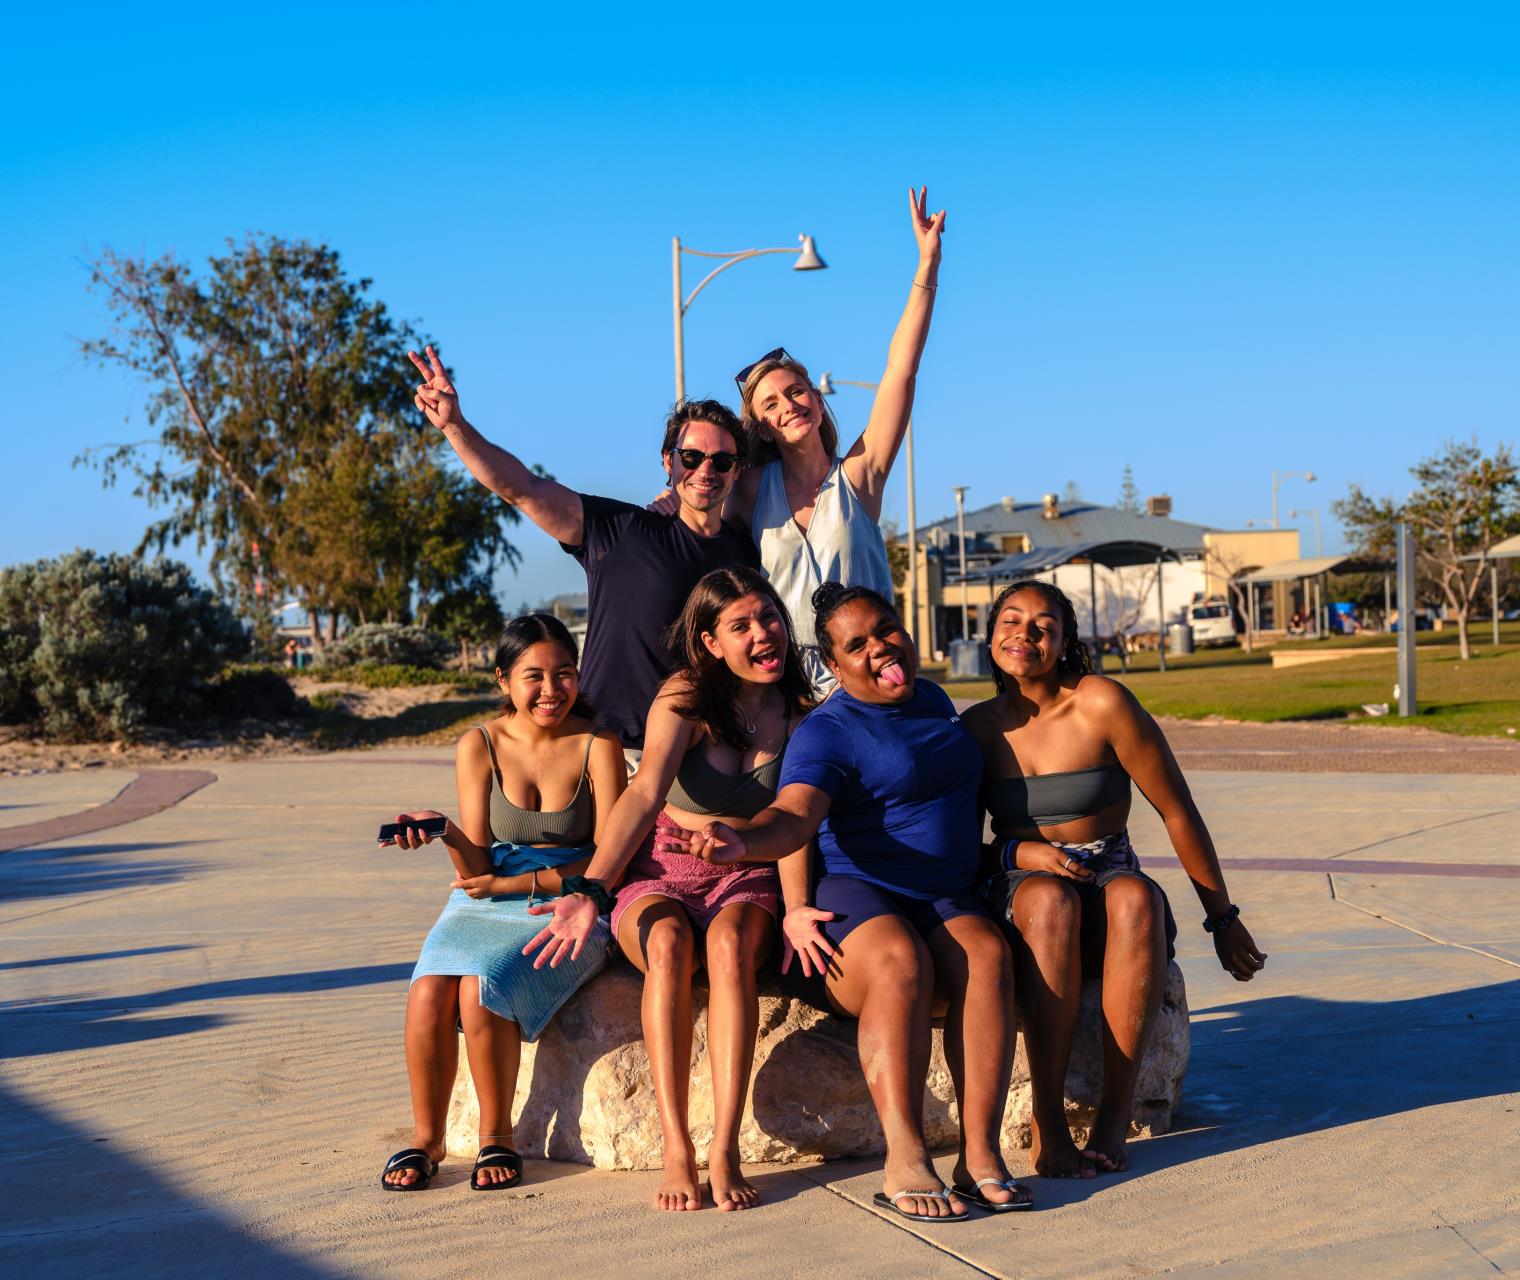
x=826 y=385
x=807 y=260
x=960 y=533
x=1277 y=478
x=1309 y=511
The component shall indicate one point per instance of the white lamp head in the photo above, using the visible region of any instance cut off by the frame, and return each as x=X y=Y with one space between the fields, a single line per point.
x=808 y=259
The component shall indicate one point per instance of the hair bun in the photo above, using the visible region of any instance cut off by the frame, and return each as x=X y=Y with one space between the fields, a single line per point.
x=826 y=594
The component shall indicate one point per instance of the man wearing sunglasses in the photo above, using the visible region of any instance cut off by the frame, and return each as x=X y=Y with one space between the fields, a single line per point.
x=640 y=565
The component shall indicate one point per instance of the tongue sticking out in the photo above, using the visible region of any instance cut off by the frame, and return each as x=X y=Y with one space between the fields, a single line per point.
x=892 y=674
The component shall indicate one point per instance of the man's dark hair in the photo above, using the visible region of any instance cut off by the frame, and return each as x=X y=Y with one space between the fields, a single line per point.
x=716 y=412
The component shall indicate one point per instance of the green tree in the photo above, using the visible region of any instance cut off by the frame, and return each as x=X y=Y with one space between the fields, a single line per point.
x=468 y=615
x=1463 y=502
x=285 y=439
x=1129 y=493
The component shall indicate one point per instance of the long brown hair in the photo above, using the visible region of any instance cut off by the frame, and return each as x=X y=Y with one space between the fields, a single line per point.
x=762 y=448
x=714 y=688
x=1074 y=658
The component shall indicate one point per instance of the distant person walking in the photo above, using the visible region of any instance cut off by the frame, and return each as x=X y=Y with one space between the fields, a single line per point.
x=640 y=564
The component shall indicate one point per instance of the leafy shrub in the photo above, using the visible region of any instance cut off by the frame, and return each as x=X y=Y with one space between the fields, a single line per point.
x=388 y=643
x=251 y=693
x=394 y=676
x=96 y=645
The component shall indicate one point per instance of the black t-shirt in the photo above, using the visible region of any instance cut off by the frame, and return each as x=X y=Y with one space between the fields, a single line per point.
x=640 y=567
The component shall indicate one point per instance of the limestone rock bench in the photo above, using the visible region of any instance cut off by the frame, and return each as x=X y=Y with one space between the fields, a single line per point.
x=584 y=1092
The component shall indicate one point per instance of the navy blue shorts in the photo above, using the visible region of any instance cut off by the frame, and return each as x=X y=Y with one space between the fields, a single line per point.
x=854 y=901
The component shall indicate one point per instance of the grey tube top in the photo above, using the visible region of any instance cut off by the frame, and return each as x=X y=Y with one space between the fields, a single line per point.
x=573 y=825
x=1051 y=798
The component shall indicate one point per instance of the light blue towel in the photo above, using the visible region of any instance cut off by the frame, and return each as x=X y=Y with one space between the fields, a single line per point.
x=484 y=937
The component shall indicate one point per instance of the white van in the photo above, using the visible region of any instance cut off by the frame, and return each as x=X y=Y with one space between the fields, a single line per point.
x=1213 y=622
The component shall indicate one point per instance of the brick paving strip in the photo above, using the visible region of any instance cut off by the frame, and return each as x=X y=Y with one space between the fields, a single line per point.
x=152 y=791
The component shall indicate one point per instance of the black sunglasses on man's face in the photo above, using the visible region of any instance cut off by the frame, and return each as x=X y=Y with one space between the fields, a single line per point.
x=722 y=461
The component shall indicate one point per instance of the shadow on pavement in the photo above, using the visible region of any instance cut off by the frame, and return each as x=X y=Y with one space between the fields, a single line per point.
x=98 y=955
x=60 y=1026
x=1288 y=1065
x=123 y=1211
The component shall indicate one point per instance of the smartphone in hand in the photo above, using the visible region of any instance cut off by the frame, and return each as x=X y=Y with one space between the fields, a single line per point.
x=434 y=827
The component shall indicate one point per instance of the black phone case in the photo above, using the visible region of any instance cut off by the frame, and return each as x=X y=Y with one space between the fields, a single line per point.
x=434 y=827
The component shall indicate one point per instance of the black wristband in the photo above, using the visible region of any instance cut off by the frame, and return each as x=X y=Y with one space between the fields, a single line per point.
x=593 y=889
x=1213 y=924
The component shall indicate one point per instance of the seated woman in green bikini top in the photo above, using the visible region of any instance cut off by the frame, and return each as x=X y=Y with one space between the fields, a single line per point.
x=1060 y=747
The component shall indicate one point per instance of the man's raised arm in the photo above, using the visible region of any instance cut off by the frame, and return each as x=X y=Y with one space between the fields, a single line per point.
x=550 y=505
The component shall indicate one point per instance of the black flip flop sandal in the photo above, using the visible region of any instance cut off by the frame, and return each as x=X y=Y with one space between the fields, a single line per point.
x=975 y=1196
x=412 y=1158
x=494 y=1157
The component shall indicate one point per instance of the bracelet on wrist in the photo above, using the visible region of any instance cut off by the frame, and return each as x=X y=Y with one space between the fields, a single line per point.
x=601 y=899
x=1213 y=924
x=928 y=288
x=1010 y=855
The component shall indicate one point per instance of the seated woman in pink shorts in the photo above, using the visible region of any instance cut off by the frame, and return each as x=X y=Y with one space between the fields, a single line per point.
x=713 y=745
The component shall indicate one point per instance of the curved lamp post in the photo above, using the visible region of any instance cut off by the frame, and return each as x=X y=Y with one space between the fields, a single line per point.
x=826 y=385
x=807 y=260
x=1278 y=477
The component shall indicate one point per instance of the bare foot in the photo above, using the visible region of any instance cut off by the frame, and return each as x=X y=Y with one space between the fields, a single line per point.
x=967 y=1173
x=405 y=1177
x=1105 y=1145
x=730 y=1188
x=491 y=1174
x=1057 y=1156
x=679 y=1190
x=919 y=1175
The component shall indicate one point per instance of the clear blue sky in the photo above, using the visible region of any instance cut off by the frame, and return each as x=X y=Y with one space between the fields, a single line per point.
x=1205 y=241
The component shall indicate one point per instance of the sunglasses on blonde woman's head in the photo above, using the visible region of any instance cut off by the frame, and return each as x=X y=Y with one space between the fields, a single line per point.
x=743 y=375
x=722 y=461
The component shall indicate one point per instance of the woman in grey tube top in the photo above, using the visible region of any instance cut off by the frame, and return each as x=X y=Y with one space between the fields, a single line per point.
x=1060 y=747
x=536 y=786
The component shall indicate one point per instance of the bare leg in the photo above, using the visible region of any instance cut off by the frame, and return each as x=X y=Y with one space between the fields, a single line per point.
x=432 y=1057
x=973 y=970
x=884 y=977
x=1134 y=973
x=657 y=937
x=1047 y=919
x=737 y=941
x=494 y=1047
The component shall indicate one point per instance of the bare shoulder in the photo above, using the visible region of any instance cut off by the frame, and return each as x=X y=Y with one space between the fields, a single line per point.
x=472 y=744
x=984 y=721
x=607 y=745
x=1108 y=699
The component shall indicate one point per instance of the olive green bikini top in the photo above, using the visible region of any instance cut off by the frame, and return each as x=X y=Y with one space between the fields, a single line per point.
x=572 y=826
x=701 y=787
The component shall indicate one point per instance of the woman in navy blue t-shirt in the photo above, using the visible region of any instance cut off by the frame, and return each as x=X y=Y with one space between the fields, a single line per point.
x=886 y=776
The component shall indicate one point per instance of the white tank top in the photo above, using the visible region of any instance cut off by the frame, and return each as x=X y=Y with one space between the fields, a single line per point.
x=842 y=544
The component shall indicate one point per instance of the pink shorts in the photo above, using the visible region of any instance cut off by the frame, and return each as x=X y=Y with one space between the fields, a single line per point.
x=703 y=889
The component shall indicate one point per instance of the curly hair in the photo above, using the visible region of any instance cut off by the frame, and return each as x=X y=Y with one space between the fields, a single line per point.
x=829 y=599
x=1074 y=659
x=713 y=686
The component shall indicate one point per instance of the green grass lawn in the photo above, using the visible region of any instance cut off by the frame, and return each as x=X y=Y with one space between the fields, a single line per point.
x=1480 y=696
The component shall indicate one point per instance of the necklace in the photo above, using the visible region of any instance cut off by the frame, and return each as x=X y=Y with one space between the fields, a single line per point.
x=749 y=725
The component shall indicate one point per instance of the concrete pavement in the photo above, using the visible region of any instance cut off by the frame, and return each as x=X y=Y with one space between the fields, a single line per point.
x=201 y=1072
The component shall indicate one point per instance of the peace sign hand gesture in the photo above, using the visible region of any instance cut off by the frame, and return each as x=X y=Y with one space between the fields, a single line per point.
x=435 y=394
x=927 y=229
